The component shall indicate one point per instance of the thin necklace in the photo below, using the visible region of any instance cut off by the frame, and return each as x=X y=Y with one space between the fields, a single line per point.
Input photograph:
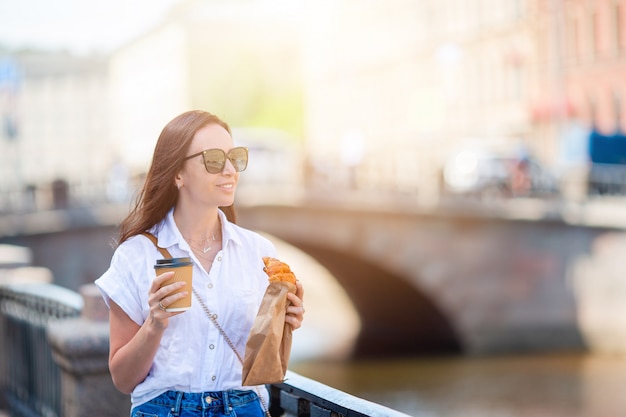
x=204 y=248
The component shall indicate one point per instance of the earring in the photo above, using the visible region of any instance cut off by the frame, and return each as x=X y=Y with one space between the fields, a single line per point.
x=178 y=185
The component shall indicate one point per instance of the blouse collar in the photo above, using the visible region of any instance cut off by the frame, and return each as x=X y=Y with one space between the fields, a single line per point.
x=169 y=234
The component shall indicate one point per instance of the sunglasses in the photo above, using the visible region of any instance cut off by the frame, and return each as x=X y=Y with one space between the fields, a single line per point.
x=215 y=159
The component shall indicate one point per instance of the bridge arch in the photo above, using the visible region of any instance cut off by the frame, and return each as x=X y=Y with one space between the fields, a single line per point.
x=396 y=318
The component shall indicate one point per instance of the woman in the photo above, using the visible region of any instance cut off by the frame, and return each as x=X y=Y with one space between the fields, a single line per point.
x=178 y=362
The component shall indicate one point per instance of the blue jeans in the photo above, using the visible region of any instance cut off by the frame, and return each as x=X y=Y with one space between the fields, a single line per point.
x=232 y=403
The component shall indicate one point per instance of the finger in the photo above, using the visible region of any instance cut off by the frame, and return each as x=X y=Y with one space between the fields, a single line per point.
x=294 y=322
x=159 y=307
x=294 y=299
x=160 y=279
x=295 y=319
x=172 y=298
x=295 y=308
x=299 y=290
x=167 y=290
x=295 y=314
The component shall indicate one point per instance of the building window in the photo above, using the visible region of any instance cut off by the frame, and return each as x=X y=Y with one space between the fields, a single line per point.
x=595 y=34
x=620 y=29
x=573 y=39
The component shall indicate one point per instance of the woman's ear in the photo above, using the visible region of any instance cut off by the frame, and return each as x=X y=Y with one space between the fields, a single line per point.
x=178 y=181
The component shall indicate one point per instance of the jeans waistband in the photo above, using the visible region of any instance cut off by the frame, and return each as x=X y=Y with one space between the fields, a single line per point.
x=177 y=400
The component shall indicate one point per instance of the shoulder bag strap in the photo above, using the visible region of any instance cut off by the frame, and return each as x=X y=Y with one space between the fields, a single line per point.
x=154 y=240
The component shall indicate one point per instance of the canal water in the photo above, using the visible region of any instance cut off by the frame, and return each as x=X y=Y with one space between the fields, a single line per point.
x=573 y=385
x=538 y=385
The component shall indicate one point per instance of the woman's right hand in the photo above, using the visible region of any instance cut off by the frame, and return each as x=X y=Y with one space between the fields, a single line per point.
x=161 y=297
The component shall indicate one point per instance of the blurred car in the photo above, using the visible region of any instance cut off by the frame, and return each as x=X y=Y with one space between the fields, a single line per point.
x=484 y=173
x=474 y=171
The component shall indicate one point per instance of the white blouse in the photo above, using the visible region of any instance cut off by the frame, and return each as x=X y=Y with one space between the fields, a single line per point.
x=193 y=356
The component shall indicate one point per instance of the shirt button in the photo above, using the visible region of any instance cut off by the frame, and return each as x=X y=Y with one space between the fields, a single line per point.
x=211 y=346
x=219 y=259
x=210 y=285
x=213 y=378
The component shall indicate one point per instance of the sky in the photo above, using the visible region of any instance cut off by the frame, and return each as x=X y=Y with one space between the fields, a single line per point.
x=80 y=26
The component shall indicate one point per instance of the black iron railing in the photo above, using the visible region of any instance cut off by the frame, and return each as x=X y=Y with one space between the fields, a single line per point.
x=29 y=377
x=303 y=397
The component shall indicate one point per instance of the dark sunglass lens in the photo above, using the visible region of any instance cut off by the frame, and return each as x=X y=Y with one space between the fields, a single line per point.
x=214 y=160
x=239 y=158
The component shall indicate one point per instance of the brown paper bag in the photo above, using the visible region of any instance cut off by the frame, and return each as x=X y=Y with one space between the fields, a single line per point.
x=269 y=342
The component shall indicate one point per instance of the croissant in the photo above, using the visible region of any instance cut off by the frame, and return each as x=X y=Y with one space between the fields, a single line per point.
x=278 y=271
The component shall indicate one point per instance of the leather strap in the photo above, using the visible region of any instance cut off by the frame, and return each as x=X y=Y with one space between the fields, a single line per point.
x=154 y=240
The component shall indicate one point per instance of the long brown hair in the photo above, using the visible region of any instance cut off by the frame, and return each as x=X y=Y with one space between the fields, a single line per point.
x=159 y=193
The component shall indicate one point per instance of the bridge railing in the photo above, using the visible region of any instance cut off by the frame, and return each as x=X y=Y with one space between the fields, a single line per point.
x=54 y=356
x=302 y=397
x=30 y=378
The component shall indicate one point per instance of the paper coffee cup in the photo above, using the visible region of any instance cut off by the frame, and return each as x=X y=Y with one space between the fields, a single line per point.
x=182 y=268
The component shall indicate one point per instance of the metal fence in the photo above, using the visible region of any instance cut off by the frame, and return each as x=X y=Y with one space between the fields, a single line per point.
x=30 y=378
x=303 y=397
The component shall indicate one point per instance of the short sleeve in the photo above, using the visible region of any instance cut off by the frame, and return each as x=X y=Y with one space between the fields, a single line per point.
x=126 y=282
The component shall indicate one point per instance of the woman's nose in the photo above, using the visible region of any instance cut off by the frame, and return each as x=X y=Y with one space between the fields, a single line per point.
x=229 y=168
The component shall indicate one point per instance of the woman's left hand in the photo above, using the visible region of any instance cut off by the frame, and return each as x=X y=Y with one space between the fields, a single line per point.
x=295 y=310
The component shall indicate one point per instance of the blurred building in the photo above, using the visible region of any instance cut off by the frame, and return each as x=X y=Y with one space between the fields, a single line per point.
x=582 y=62
x=237 y=59
x=55 y=113
x=383 y=92
x=581 y=89
x=82 y=126
x=415 y=79
x=420 y=79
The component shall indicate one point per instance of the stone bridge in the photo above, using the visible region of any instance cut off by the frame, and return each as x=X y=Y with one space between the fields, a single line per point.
x=520 y=276
x=523 y=277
